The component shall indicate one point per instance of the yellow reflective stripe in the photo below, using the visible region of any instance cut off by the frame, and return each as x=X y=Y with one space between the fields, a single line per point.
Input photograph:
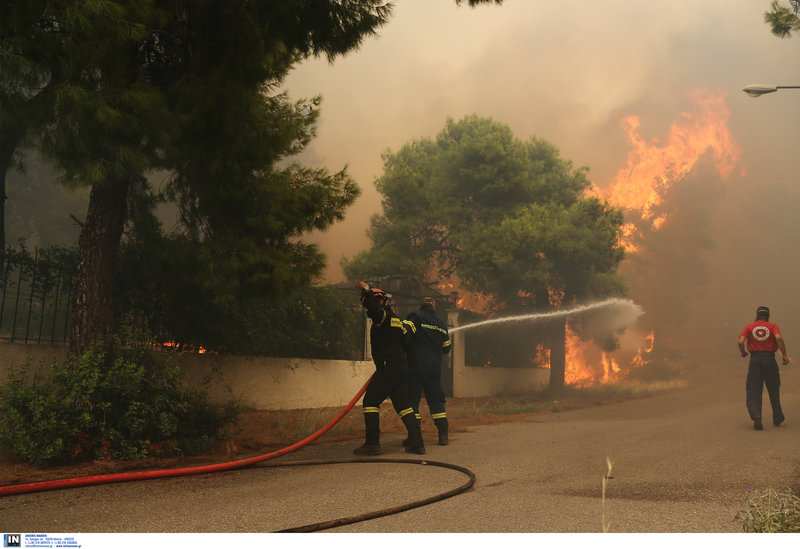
x=396 y=322
x=446 y=343
x=410 y=325
x=440 y=415
x=419 y=417
x=371 y=410
x=405 y=412
x=433 y=327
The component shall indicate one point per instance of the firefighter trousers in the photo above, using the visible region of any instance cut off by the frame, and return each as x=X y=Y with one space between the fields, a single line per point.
x=390 y=380
x=427 y=381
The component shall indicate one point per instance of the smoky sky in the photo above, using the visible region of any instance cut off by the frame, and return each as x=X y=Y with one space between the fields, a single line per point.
x=567 y=72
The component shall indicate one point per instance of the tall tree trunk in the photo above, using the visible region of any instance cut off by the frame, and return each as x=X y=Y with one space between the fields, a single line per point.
x=93 y=306
x=558 y=353
x=6 y=162
x=3 y=198
x=556 y=335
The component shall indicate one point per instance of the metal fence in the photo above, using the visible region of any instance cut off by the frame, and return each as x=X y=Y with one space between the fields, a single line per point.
x=36 y=301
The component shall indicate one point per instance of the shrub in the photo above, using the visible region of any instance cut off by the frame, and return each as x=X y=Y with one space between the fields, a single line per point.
x=129 y=406
x=771 y=511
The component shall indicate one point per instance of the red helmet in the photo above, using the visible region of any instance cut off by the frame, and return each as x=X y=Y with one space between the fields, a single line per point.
x=380 y=294
x=377 y=292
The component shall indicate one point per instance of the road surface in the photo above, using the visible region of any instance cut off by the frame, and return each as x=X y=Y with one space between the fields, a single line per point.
x=682 y=462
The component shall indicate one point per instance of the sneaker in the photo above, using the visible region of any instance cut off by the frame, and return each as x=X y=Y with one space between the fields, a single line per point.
x=415 y=449
x=368 y=450
x=757 y=424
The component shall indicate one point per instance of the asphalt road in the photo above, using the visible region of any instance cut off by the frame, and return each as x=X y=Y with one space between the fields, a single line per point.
x=682 y=462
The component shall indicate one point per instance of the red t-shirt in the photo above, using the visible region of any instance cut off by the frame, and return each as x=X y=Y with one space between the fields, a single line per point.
x=761 y=336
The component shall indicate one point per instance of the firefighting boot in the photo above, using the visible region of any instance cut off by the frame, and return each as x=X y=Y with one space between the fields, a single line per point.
x=415 y=444
x=419 y=420
x=372 y=445
x=442 y=427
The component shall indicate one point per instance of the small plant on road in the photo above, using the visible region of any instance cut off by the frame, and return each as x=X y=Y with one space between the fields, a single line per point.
x=771 y=511
x=606 y=523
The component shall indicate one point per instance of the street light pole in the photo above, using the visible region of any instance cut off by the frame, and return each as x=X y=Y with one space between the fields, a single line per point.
x=757 y=90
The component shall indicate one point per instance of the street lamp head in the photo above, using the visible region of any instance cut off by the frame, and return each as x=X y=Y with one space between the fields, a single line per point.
x=757 y=90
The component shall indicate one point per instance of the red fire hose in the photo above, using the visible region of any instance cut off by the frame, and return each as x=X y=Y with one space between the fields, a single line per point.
x=165 y=473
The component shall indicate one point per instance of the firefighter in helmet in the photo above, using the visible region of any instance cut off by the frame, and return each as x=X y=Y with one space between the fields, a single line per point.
x=431 y=342
x=390 y=338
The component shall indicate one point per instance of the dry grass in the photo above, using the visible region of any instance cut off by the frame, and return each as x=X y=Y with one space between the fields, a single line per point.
x=771 y=512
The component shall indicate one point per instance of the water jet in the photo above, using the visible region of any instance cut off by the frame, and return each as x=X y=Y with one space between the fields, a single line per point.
x=627 y=306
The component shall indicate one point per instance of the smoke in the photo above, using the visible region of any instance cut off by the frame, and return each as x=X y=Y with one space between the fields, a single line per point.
x=607 y=326
x=568 y=72
x=669 y=273
x=569 y=83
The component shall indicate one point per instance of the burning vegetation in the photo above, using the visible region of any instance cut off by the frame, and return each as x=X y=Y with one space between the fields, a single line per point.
x=642 y=189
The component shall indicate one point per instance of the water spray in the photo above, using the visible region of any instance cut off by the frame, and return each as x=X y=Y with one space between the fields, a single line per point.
x=627 y=305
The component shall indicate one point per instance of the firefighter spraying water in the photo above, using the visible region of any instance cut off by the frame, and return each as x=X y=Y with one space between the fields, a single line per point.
x=390 y=339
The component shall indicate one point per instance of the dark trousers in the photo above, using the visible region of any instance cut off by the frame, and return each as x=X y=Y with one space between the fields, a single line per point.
x=390 y=380
x=763 y=370
x=427 y=381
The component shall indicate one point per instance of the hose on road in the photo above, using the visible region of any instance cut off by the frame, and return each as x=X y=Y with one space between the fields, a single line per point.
x=237 y=464
x=317 y=526
x=165 y=473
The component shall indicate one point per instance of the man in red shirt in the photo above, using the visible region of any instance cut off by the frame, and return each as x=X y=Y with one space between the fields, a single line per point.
x=763 y=338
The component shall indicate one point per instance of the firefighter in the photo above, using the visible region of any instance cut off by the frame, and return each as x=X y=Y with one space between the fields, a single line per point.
x=763 y=338
x=390 y=338
x=431 y=341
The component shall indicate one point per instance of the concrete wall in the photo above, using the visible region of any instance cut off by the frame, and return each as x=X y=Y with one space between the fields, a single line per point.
x=259 y=382
x=278 y=383
x=291 y=383
x=16 y=354
x=473 y=382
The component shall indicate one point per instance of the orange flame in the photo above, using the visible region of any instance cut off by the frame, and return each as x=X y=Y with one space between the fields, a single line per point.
x=653 y=168
x=586 y=365
x=465 y=299
x=639 y=358
x=578 y=369
x=176 y=345
x=640 y=188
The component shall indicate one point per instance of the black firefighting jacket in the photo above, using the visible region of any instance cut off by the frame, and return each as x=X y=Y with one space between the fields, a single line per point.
x=431 y=340
x=389 y=336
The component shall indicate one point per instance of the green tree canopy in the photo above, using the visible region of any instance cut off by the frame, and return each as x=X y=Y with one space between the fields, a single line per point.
x=126 y=87
x=190 y=88
x=507 y=217
x=783 y=20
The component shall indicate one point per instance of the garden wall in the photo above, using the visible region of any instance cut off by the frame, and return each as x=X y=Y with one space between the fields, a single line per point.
x=291 y=383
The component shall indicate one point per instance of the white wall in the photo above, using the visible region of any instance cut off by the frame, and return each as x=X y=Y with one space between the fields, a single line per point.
x=291 y=383
x=278 y=383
